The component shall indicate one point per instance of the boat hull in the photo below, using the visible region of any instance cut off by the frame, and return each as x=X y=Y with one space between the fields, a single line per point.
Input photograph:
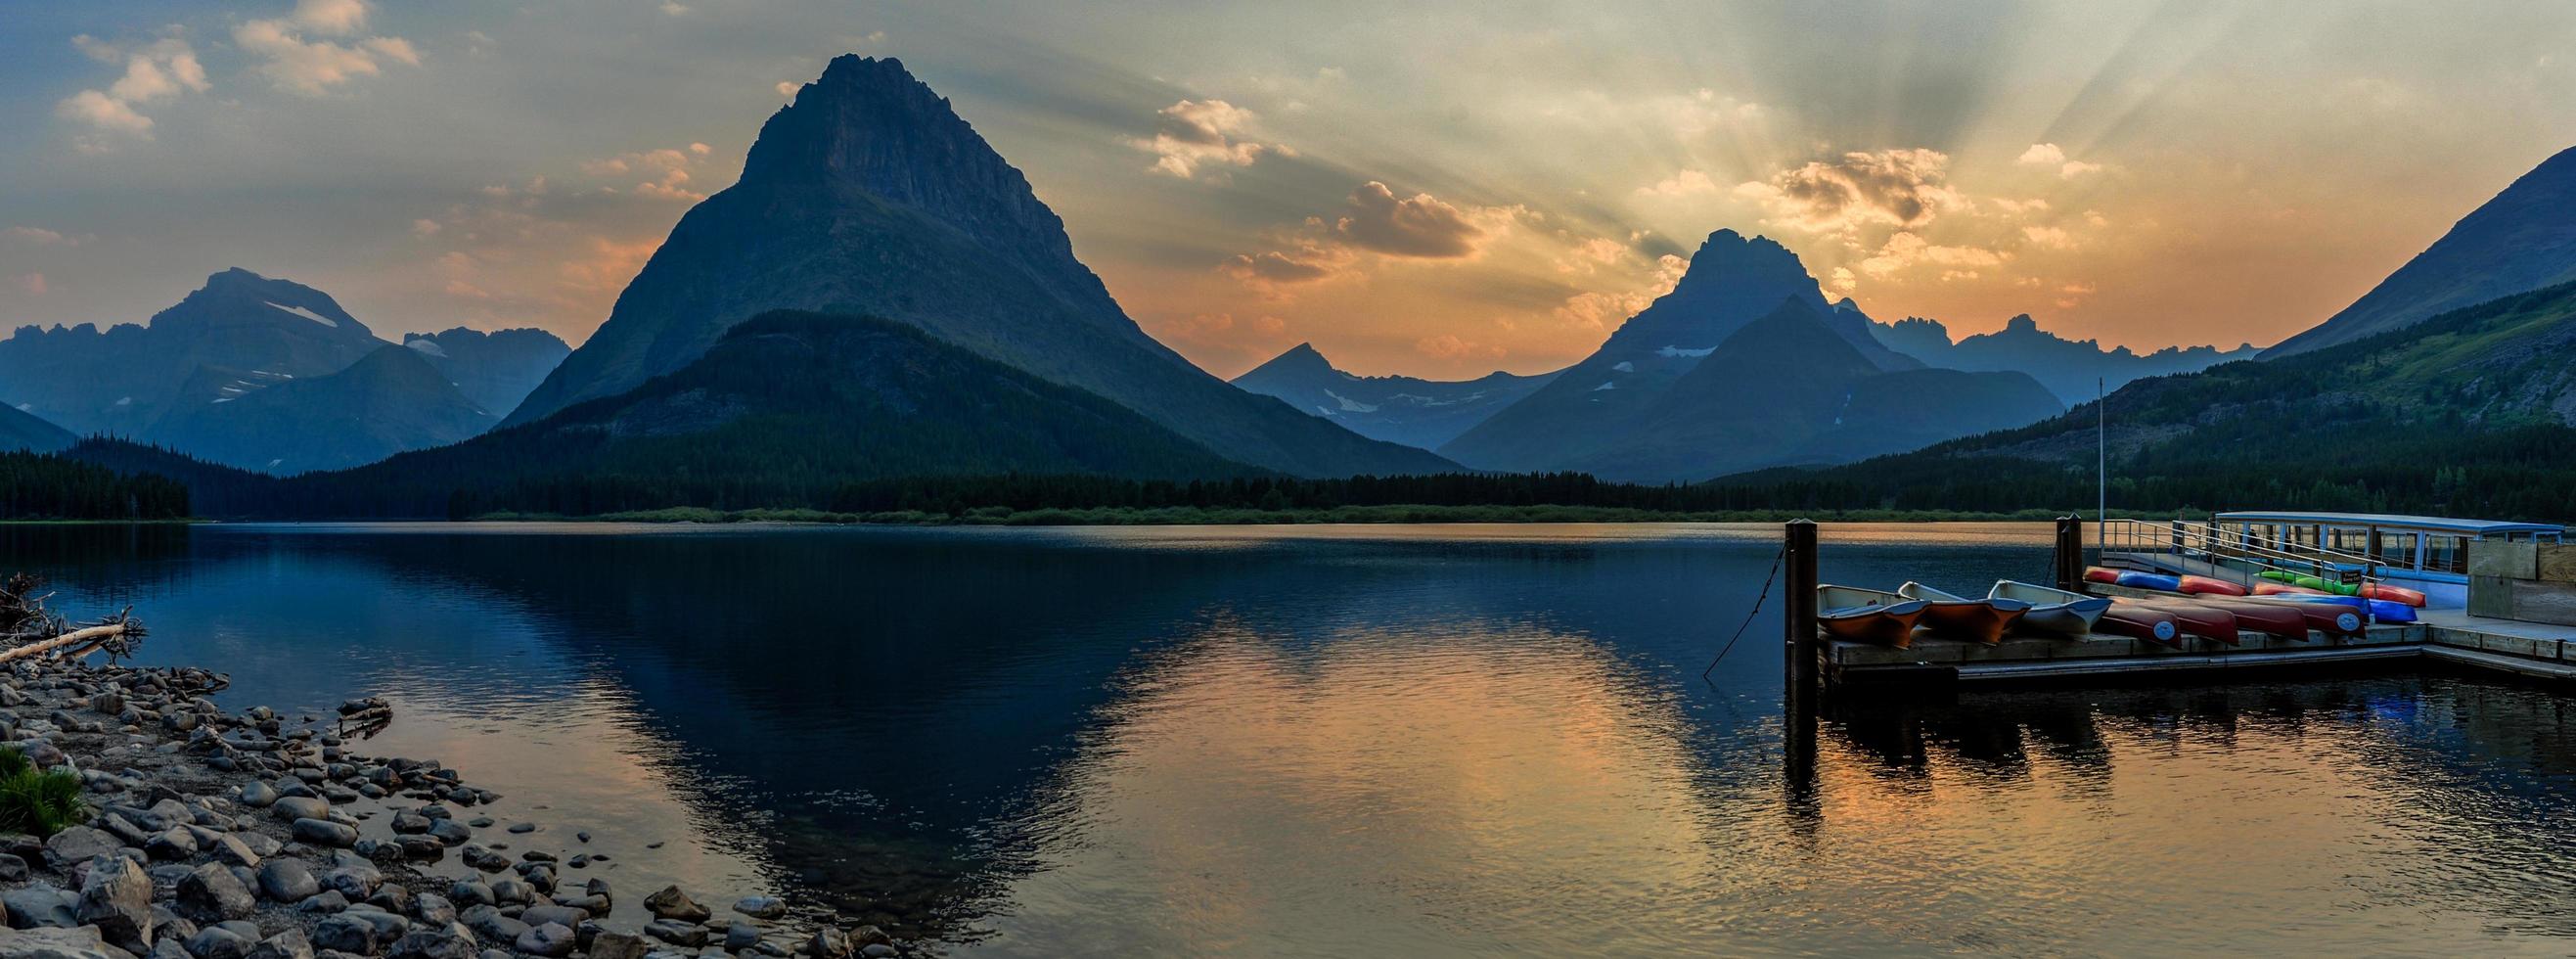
x=2205 y=586
x=1984 y=621
x=2193 y=619
x=1877 y=625
x=2052 y=610
x=2137 y=621
x=2271 y=619
x=2328 y=617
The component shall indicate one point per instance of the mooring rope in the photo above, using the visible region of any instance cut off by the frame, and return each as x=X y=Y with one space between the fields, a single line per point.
x=1748 y=616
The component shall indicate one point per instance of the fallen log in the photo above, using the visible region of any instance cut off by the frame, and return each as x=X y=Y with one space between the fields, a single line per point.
x=87 y=634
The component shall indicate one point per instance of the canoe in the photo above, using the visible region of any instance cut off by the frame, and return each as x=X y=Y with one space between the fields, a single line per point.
x=2194 y=619
x=2275 y=619
x=2285 y=589
x=2159 y=582
x=1959 y=617
x=2053 y=610
x=2394 y=594
x=2205 y=586
x=1872 y=616
x=2317 y=583
x=2140 y=621
x=2322 y=613
x=2391 y=611
x=2097 y=574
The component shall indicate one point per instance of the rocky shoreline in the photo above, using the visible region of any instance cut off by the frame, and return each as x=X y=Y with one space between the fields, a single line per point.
x=216 y=835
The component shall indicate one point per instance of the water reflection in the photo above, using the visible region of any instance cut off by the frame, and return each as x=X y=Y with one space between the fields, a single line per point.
x=1378 y=741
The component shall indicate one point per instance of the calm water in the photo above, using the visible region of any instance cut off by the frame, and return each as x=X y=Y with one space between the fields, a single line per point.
x=1359 y=741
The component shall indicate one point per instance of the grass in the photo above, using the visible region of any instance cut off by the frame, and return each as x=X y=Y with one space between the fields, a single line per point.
x=39 y=802
x=1193 y=516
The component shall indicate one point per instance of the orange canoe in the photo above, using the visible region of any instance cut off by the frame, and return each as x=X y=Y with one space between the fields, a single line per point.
x=2394 y=594
x=2285 y=589
x=2096 y=574
x=2206 y=622
x=2205 y=586
x=2139 y=621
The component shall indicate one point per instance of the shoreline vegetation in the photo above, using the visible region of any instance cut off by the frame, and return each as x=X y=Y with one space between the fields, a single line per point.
x=1355 y=515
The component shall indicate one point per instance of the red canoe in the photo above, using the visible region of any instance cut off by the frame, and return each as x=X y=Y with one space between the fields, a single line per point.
x=2275 y=619
x=2205 y=586
x=2332 y=619
x=2204 y=621
x=2285 y=589
x=2394 y=594
x=2140 y=621
x=2096 y=574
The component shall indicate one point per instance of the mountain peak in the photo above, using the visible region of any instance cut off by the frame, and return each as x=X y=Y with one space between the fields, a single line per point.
x=2021 y=324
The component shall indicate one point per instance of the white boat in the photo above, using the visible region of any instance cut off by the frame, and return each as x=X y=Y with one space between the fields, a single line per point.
x=1983 y=620
x=2054 y=610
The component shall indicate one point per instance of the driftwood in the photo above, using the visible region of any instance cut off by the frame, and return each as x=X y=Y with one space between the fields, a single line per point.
x=88 y=634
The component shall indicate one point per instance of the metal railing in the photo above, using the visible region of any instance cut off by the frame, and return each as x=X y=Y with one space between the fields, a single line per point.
x=2246 y=553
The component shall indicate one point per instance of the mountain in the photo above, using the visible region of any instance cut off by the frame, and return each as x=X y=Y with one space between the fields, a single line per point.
x=389 y=401
x=21 y=430
x=2472 y=412
x=1681 y=391
x=784 y=411
x=2071 y=369
x=1397 y=409
x=869 y=195
x=124 y=379
x=2523 y=239
x=496 y=370
x=1744 y=408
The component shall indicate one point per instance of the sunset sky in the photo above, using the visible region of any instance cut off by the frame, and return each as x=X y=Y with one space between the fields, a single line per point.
x=1436 y=188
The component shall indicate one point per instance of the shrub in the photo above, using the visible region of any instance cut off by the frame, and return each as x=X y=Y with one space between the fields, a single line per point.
x=41 y=802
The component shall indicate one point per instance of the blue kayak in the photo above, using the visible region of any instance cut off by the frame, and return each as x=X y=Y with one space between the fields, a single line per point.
x=2381 y=610
x=2136 y=580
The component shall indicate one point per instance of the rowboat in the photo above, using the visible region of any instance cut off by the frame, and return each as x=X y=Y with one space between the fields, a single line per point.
x=2140 y=621
x=2205 y=586
x=1873 y=616
x=1984 y=620
x=2322 y=612
x=2053 y=610
x=2194 y=619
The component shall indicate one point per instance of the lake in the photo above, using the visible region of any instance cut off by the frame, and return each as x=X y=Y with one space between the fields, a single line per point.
x=1401 y=740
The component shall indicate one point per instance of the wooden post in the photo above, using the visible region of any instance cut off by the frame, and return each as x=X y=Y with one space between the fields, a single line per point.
x=2070 y=552
x=1803 y=650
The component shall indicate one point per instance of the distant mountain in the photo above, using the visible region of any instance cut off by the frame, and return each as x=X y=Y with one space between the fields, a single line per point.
x=2523 y=239
x=869 y=195
x=123 y=380
x=21 y=430
x=496 y=370
x=1397 y=409
x=2471 y=413
x=188 y=379
x=1694 y=385
x=389 y=401
x=784 y=410
x=2069 y=368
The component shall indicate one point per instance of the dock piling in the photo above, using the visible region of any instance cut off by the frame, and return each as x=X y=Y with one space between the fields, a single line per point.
x=1803 y=650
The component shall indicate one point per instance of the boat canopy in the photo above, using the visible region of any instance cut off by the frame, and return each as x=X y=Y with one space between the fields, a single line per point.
x=2390 y=522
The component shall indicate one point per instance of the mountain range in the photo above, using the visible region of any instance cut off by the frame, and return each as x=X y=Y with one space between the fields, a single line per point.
x=269 y=374
x=1744 y=364
x=21 y=430
x=2522 y=239
x=869 y=195
x=1397 y=409
x=2071 y=369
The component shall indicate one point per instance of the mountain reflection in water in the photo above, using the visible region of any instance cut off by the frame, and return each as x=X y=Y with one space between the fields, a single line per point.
x=1373 y=740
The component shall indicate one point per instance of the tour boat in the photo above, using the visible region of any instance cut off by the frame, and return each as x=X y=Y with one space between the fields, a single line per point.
x=2195 y=619
x=1873 y=616
x=1984 y=620
x=2053 y=610
x=2423 y=555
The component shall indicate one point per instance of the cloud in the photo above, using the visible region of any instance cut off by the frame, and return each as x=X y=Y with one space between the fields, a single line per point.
x=37 y=236
x=1447 y=346
x=2050 y=156
x=1906 y=249
x=1373 y=218
x=675 y=9
x=1681 y=184
x=2053 y=238
x=1273 y=267
x=666 y=171
x=1901 y=188
x=161 y=70
x=312 y=67
x=1602 y=309
x=33 y=283
x=1200 y=133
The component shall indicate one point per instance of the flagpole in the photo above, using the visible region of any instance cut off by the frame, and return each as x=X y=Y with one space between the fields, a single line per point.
x=2102 y=463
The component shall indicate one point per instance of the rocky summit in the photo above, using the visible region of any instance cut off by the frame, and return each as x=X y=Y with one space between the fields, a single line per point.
x=869 y=195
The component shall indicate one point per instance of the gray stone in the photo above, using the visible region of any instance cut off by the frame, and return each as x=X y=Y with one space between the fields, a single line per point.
x=434 y=909
x=79 y=844
x=827 y=943
x=468 y=893
x=288 y=880
x=290 y=944
x=512 y=892
x=231 y=851
x=346 y=932
x=761 y=907
x=217 y=942
x=616 y=945
x=79 y=942
x=450 y=831
x=328 y=902
x=12 y=867
x=211 y=893
x=117 y=898
x=488 y=923
x=551 y=939
x=36 y=907
x=442 y=942
x=740 y=935
x=559 y=915
x=876 y=950
x=292 y=808
x=671 y=903
x=323 y=832
x=677 y=933
x=173 y=844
